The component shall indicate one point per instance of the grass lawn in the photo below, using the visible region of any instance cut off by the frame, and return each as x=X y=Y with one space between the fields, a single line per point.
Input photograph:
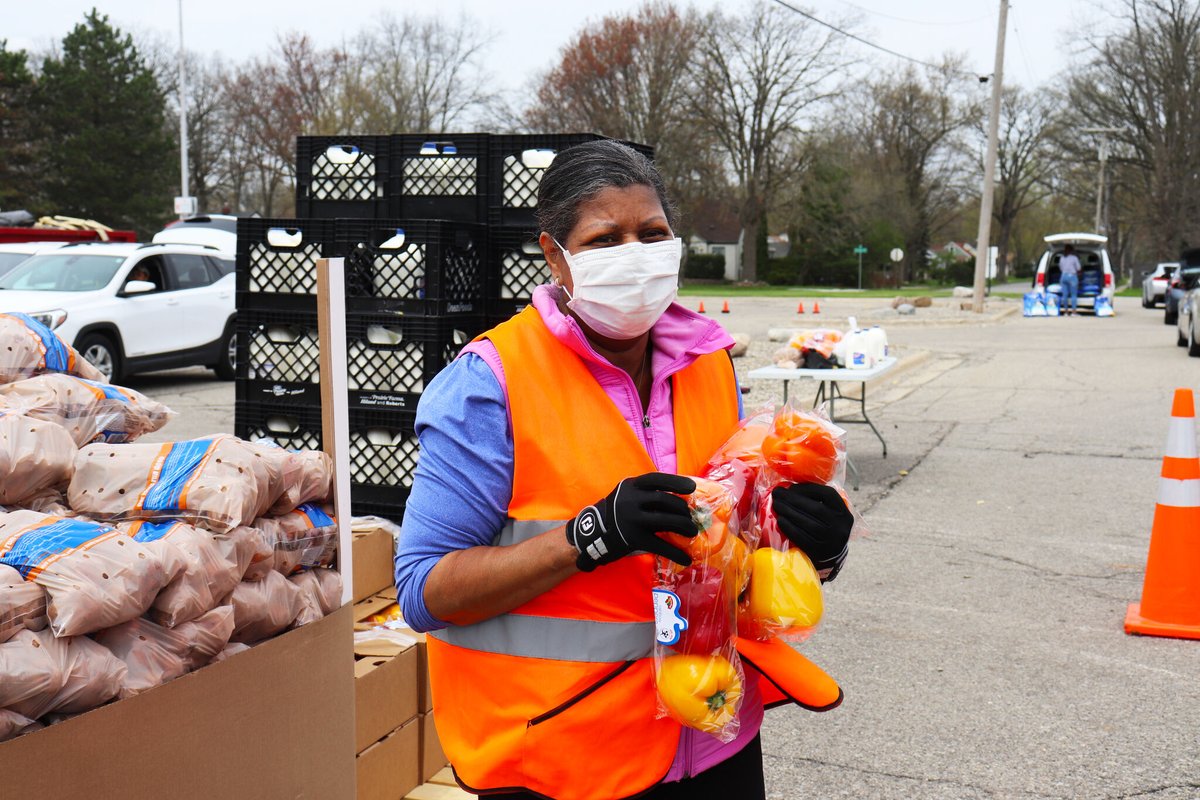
x=800 y=292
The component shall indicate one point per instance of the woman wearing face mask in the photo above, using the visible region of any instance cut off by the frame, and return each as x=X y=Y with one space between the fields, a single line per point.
x=552 y=453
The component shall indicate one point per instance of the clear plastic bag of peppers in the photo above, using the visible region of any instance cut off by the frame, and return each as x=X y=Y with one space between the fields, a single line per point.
x=746 y=578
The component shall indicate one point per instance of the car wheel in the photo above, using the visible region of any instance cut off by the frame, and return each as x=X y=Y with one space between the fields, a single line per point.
x=1180 y=339
x=226 y=368
x=1193 y=345
x=102 y=354
x=1145 y=303
x=1169 y=318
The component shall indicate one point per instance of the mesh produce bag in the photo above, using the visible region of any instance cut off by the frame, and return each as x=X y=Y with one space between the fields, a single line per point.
x=34 y=456
x=154 y=654
x=93 y=677
x=88 y=410
x=205 y=571
x=33 y=665
x=22 y=604
x=262 y=609
x=320 y=594
x=95 y=576
x=28 y=348
x=215 y=483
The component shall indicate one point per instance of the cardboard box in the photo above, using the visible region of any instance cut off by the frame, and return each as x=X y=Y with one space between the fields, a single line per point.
x=433 y=760
x=373 y=567
x=374 y=605
x=385 y=694
x=275 y=721
x=388 y=768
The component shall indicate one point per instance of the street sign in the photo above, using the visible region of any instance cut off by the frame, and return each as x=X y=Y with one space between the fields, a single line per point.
x=897 y=254
x=860 y=250
x=185 y=206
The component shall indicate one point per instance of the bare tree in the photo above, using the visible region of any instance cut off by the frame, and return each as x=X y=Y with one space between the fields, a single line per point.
x=1024 y=161
x=628 y=76
x=758 y=77
x=1144 y=78
x=913 y=122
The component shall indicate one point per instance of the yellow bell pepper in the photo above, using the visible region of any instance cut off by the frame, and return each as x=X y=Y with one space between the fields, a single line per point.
x=700 y=691
x=785 y=591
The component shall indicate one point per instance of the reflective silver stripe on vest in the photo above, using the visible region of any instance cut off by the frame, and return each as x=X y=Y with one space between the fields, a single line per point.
x=553 y=638
x=516 y=531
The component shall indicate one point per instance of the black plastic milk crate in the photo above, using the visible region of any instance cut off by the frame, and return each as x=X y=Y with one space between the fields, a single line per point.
x=276 y=261
x=343 y=176
x=279 y=357
x=383 y=447
x=414 y=266
x=392 y=358
x=440 y=176
x=516 y=266
x=516 y=165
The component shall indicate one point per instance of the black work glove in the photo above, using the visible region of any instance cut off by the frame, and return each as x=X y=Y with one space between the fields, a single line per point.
x=626 y=521
x=815 y=518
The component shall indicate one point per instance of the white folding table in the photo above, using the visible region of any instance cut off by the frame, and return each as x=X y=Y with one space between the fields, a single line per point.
x=828 y=389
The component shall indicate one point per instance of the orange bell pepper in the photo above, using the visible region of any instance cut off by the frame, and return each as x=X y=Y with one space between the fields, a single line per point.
x=700 y=691
x=801 y=448
x=712 y=508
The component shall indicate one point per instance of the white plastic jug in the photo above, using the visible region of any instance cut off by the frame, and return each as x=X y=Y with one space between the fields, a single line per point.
x=858 y=350
x=879 y=343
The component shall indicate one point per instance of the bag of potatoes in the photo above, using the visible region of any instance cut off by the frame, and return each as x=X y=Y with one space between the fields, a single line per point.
x=35 y=456
x=205 y=573
x=88 y=410
x=95 y=576
x=28 y=348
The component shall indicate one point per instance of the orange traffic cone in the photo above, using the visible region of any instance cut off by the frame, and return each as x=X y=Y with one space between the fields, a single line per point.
x=725 y=308
x=800 y=307
x=1171 y=592
x=816 y=307
x=701 y=308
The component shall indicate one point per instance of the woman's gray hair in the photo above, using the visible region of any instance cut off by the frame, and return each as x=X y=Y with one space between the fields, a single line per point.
x=579 y=173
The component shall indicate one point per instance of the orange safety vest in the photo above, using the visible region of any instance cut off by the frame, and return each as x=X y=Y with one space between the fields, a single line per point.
x=522 y=698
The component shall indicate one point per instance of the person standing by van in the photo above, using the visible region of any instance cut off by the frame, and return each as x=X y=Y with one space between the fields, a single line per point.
x=1069 y=280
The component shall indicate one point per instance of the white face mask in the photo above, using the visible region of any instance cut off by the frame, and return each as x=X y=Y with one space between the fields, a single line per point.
x=620 y=292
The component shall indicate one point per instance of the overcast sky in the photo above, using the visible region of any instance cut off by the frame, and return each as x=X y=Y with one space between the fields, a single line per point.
x=529 y=33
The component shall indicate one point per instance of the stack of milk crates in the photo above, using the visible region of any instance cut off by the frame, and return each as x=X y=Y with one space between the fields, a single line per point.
x=439 y=243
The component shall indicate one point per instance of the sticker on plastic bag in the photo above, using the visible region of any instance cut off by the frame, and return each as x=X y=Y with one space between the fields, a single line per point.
x=32 y=550
x=668 y=624
x=173 y=471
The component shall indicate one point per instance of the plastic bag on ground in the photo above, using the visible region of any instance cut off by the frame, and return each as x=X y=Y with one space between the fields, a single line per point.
x=95 y=576
x=93 y=677
x=217 y=483
x=320 y=593
x=304 y=537
x=34 y=456
x=13 y=725
x=33 y=665
x=22 y=604
x=28 y=348
x=88 y=410
x=264 y=608
x=154 y=654
x=206 y=572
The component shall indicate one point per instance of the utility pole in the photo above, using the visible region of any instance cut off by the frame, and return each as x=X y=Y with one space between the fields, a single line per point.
x=185 y=203
x=1102 y=148
x=983 y=241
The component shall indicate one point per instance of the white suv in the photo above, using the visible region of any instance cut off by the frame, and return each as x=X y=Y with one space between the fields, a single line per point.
x=132 y=307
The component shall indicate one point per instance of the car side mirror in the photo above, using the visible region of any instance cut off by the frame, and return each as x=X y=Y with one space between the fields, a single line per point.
x=138 y=287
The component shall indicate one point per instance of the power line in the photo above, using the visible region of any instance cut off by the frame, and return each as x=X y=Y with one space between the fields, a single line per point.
x=914 y=21
x=861 y=40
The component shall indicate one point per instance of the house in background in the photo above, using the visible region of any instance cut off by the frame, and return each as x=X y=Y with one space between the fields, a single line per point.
x=717 y=231
x=955 y=251
x=779 y=246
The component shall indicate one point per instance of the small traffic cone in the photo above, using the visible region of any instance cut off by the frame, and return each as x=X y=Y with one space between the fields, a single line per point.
x=725 y=308
x=800 y=307
x=816 y=307
x=1171 y=591
x=701 y=310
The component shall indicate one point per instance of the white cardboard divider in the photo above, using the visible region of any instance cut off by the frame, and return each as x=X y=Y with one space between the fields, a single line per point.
x=335 y=404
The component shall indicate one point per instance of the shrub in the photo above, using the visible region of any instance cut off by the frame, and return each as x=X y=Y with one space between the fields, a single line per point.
x=704 y=267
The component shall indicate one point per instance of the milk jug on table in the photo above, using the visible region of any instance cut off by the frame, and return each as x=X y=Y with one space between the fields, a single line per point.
x=858 y=350
x=879 y=343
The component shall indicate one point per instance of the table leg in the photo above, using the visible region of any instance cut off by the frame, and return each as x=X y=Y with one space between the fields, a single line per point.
x=867 y=419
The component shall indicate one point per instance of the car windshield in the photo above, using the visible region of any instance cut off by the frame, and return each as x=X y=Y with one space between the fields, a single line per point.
x=10 y=260
x=62 y=272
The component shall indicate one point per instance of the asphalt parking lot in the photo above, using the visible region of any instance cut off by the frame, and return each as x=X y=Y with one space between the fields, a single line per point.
x=976 y=630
